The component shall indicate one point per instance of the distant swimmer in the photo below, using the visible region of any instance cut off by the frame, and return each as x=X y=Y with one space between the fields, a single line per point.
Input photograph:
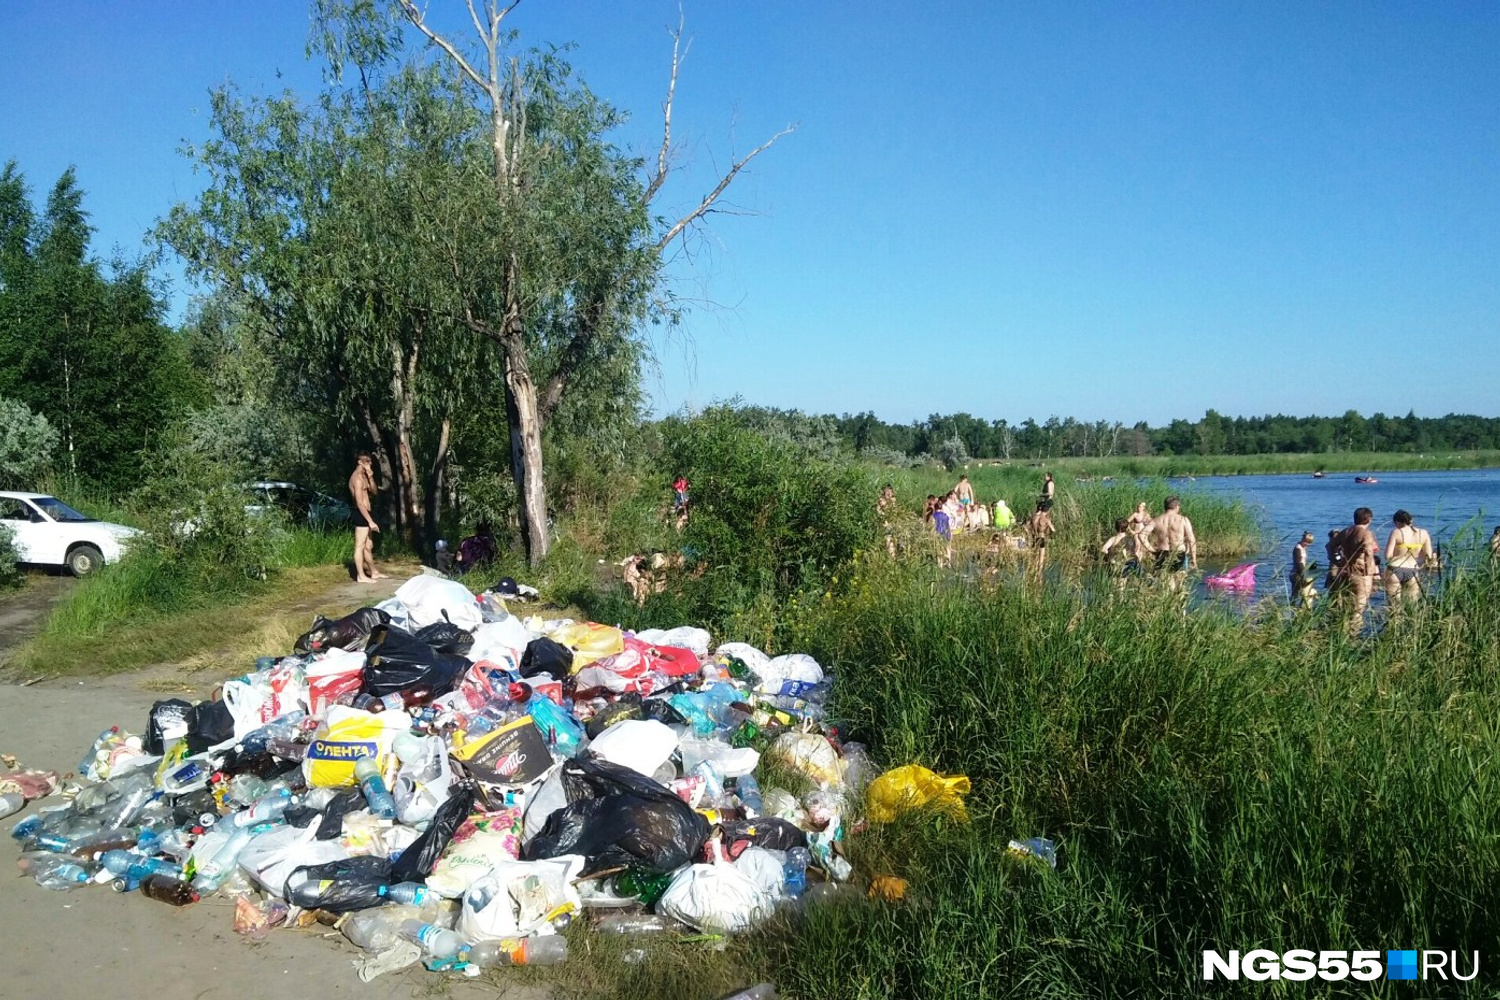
x=1174 y=543
x=1408 y=554
x=1303 y=593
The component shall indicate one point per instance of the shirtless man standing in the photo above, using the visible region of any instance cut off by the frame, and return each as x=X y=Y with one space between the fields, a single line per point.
x=964 y=490
x=1303 y=593
x=362 y=488
x=1174 y=543
x=1361 y=568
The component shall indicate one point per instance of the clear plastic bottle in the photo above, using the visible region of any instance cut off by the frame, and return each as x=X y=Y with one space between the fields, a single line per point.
x=549 y=950
x=90 y=759
x=760 y=991
x=413 y=893
x=55 y=871
x=635 y=923
x=11 y=803
x=748 y=789
x=217 y=869
x=373 y=785
x=245 y=789
x=373 y=930
x=434 y=940
x=794 y=871
x=267 y=809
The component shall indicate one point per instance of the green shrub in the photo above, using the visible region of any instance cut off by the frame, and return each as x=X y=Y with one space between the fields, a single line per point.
x=10 y=574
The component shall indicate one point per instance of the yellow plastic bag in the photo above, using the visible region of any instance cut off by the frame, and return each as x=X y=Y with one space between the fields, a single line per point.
x=914 y=787
x=589 y=641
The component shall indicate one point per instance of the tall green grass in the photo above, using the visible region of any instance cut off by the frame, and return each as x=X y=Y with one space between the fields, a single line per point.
x=1213 y=783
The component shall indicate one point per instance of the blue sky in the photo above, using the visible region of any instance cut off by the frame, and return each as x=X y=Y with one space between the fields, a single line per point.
x=1112 y=211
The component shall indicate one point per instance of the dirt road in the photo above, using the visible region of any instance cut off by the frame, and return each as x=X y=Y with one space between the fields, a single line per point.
x=95 y=942
x=22 y=614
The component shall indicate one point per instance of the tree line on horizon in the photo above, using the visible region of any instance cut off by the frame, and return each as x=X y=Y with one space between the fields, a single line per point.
x=961 y=436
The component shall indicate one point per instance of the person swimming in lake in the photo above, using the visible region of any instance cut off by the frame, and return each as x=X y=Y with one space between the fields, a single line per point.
x=1408 y=555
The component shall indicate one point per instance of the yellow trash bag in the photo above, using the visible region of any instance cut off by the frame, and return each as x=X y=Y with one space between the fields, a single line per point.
x=914 y=787
x=589 y=642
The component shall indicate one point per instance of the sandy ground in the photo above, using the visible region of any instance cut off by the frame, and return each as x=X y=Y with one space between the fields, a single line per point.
x=22 y=614
x=95 y=942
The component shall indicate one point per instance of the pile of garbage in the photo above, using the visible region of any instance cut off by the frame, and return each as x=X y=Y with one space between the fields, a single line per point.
x=449 y=783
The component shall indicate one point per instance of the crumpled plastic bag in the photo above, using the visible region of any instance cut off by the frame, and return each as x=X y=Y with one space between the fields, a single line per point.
x=643 y=745
x=463 y=864
x=430 y=599
x=29 y=784
x=616 y=816
x=398 y=661
x=417 y=862
x=445 y=637
x=686 y=636
x=903 y=789
x=716 y=898
x=348 y=632
x=516 y=897
x=810 y=755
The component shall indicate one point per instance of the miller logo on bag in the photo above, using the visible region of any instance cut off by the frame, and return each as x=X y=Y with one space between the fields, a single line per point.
x=514 y=754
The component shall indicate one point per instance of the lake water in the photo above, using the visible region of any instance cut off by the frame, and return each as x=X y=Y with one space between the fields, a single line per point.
x=1442 y=502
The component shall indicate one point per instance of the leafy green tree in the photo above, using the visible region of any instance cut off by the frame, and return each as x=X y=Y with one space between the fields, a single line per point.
x=27 y=442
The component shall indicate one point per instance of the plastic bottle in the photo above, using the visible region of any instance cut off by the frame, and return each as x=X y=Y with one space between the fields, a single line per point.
x=713 y=785
x=286 y=749
x=413 y=893
x=136 y=867
x=434 y=940
x=246 y=788
x=186 y=777
x=373 y=930
x=549 y=950
x=57 y=872
x=217 y=869
x=748 y=789
x=169 y=890
x=373 y=785
x=794 y=871
x=267 y=809
x=635 y=923
x=86 y=766
x=11 y=803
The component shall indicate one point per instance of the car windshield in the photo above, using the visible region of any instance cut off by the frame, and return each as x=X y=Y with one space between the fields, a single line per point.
x=59 y=511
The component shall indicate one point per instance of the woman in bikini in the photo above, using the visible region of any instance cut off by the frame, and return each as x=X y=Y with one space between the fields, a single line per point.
x=1408 y=553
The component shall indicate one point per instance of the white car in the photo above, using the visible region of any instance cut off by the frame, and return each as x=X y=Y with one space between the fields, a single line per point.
x=47 y=532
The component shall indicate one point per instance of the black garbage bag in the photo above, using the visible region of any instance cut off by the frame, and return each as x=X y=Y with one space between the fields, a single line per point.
x=331 y=825
x=339 y=886
x=543 y=656
x=396 y=660
x=446 y=637
x=628 y=707
x=766 y=831
x=662 y=711
x=209 y=724
x=416 y=862
x=168 y=723
x=348 y=632
x=616 y=816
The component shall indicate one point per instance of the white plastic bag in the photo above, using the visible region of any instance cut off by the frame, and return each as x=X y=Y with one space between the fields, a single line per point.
x=463 y=864
x=517 y=897
x=791 y=667
x=728 y=761
x=642 y=745
x=715 y=898
x=422 y=784
x=747 y=654
x=764 y=868
x=548 y=797
x=810 y=755
x=270 y=858
x=426 y=598
x=497 y=641
x=683 y=636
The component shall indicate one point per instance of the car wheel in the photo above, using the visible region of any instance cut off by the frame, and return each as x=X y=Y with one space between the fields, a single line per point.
x=84 y=560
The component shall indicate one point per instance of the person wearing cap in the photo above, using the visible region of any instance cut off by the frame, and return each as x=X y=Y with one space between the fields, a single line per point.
x=1408 y=553
x=1303 y=593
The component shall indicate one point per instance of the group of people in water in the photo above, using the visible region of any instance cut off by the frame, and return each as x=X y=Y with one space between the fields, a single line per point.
x=1356 y=567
